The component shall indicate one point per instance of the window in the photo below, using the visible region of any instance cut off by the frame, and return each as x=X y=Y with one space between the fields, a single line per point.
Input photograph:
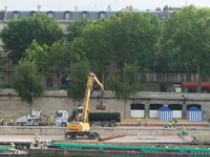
x=49 y=83
x=33 y=13
x=67 y=15
x=84 y=15
x=102 y=15
x=175 y=77
x=16 y=15
x=151 y=77
x=50 y=14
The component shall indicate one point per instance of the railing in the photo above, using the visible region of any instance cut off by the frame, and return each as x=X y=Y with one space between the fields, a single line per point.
x=132 y=148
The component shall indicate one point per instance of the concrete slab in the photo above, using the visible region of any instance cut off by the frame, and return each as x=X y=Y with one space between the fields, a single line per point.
x=149 y=139
x=27 y=138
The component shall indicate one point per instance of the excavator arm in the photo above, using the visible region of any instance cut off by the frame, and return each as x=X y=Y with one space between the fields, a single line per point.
x=89 y=86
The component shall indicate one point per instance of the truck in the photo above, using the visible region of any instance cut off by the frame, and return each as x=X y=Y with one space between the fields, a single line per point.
x=61 y=118
x=81 y=126
x=32 y=119
x=103 y=119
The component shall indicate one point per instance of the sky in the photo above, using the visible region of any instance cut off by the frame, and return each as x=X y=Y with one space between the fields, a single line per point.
x=96 y=5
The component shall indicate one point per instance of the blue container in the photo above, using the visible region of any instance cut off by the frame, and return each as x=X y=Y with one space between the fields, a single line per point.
x=194 y=114
x=165 y=114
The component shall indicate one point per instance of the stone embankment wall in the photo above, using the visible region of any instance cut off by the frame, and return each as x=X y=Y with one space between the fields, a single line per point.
x=11 y=105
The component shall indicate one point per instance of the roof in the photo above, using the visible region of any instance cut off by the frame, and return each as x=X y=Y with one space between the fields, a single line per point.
x=72 y=15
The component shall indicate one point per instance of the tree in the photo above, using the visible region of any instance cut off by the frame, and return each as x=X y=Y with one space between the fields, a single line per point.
x=96 y=38
x=39 y=55
x=58 y=59
x=187 y=35
x=134 y=36
x=76 y=29
x=76 y=88
x=19 y=34
x=127 y=85
x=28 y=82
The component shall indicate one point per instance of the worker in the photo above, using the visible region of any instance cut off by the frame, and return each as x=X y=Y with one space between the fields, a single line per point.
x=37 y=140
x=52 y=120
x=146 y=121
x=174 y=123
x=184 y=131
x=139 y=121
x=170 y=124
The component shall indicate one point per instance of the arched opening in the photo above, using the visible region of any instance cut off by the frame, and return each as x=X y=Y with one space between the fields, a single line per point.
x=137 y=110
x=176 y=110
x=154 y=110
x=194 y=105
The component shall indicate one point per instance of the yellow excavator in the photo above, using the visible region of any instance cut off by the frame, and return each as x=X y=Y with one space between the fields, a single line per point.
x=82 y=127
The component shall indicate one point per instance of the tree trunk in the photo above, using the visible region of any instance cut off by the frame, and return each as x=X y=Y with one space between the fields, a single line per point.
x=198 y=90
x=125 y=111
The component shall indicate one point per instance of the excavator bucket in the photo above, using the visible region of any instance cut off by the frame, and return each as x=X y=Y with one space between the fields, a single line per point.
x=100 y=105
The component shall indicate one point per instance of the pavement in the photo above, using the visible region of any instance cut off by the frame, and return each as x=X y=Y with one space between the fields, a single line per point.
x=122 y=139
x=27 y=138
x=149 y=139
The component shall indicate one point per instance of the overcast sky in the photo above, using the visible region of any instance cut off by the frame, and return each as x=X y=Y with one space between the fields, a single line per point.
x=96 y=5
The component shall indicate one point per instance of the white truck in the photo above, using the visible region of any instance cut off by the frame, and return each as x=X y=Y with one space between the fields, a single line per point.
x=61 y=118
x=32 y=119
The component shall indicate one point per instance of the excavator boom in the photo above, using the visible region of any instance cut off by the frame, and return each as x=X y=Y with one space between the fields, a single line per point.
x=90 y=82
x=82 y=128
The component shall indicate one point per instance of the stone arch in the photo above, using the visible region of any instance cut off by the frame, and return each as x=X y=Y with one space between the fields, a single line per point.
x=176 y=110
x=137 y=110
x=193 y=105
x=154 y=110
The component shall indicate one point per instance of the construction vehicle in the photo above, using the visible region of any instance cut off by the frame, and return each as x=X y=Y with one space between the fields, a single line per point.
x=81 y=127
x=61 y=118
x=32 y=119
x=103 y=119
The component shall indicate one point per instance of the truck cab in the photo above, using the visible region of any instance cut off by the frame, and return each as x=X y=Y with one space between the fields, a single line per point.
x=61 y=117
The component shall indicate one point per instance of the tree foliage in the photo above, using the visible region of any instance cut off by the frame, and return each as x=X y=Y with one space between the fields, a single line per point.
x=76 y=88
x=58 y=59
x=127 y=85
x=39 y=55
x=134 y=36
x=19 y=34
x=96 y=39
x=187 y=34
x=28 y=82
x=76 y=29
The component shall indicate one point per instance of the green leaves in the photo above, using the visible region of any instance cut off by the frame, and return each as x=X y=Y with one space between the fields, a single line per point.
x=76 y=88
x=127 y=84
x=28 y=82
x=19 y=34
x=189 y=34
